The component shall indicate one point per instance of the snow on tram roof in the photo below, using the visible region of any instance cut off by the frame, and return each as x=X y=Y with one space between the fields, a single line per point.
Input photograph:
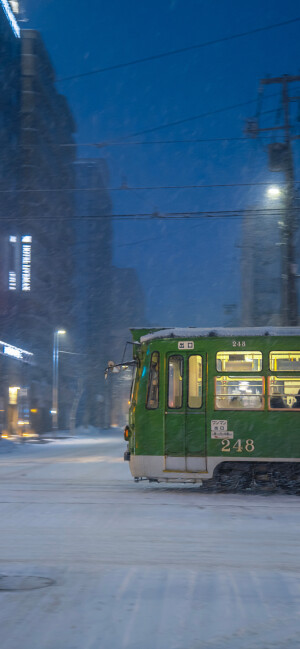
x=220 y=332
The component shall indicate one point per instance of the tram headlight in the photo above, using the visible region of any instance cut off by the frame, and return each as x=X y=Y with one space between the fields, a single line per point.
x=127 y=433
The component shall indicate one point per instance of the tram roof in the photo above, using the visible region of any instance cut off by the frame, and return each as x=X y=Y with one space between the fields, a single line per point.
x=218 y=332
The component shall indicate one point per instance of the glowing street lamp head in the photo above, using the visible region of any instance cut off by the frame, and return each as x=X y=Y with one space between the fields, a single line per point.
x=273 y=192
x=61 y=332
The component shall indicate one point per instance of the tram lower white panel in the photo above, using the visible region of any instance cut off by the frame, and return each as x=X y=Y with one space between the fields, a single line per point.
x=155 y=467
x=175 y=469
x=189 y=464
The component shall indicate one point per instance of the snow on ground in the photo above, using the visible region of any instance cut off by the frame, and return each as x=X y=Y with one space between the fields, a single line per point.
x=141 y=565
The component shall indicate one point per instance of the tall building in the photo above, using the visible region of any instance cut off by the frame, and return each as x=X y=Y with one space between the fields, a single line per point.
x=46 y=208
x=109 y=300
x=10 y=52
x=12 y=375
x=36 y=237
x=93 y=258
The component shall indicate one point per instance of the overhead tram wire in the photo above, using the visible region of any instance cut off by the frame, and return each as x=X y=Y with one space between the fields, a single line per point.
x=108 y=143
x=163 y=216
x=124 y=142
x=124 y=138
x=143 y=188
x=103 y=145
x=193 y=118
x=216 y=111
x=181 y=50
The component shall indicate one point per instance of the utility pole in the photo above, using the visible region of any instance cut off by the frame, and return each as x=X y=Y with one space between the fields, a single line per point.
x=281 y=159
x=55 y=355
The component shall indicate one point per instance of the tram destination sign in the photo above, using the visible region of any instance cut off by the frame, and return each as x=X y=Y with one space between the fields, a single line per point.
x=186 y=344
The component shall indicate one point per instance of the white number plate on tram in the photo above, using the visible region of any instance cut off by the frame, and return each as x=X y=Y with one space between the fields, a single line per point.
x=219 y=429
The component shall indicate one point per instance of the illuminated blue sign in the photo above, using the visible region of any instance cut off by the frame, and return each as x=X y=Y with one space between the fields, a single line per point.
x=16 y=352
x=11 y=18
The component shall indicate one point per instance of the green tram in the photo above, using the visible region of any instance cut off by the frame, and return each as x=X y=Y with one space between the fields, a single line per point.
x=215 y=403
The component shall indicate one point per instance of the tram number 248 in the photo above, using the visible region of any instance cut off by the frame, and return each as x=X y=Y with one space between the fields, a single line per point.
x=238 y=446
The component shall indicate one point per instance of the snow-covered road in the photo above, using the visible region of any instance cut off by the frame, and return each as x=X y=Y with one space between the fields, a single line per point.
x=141 y=566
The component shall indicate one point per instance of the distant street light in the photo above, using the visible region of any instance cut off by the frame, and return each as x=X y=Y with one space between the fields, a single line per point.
x=273 y=192
x=54 y=411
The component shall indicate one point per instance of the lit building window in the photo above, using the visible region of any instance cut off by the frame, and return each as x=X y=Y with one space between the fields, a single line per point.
x=12 y=281
x=26 y=263
x=14 y=5
x=13 y=395
x=12 y=263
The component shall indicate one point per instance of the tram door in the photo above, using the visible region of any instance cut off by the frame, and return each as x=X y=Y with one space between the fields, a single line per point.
x=185 y=417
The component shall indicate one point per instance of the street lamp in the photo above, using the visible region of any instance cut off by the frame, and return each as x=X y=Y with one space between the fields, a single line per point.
x=273 y=192
x=54 y=411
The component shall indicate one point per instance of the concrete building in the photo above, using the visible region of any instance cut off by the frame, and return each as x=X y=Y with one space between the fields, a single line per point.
x=108 y=301
x=12 y=374
x=36 y=237
x=93 y=295
x=16 y=366
x=10 y=61
x=46 y=210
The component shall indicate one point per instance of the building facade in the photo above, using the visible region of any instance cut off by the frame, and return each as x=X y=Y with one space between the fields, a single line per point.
x=36 y=227
x=10 y=66
x=93 y=278
x=109 y=301
x=13 y=374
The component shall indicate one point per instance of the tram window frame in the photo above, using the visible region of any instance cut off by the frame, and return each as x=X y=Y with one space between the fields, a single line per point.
x=241 y=352
x=188 y=382
x=133 y=384
x=241 y=396
x=150 y=379
x=284 y=352
x=281 y=395
x=182 y=381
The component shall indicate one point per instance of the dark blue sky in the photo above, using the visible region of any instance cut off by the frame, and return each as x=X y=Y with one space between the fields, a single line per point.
x=189 y=269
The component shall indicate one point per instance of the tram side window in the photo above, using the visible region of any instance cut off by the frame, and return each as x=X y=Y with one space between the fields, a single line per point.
x=231 y=361
x=134 y=383
x=282 y=361
x=195 y=382
x=175 y=374
x=284 y=393
x=153 y=382
x=239 y=393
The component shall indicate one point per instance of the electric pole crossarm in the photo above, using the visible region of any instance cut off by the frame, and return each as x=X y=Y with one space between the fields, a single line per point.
x=285 y=77
x=272 y=128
